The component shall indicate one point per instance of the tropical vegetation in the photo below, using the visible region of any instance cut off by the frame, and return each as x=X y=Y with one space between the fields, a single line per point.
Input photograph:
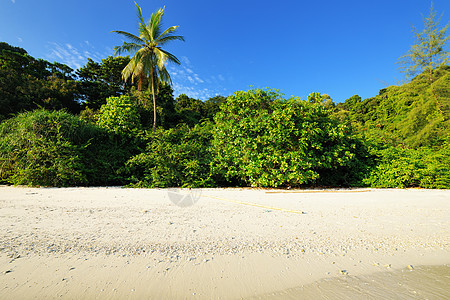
x=149 y=60
x=93 y=126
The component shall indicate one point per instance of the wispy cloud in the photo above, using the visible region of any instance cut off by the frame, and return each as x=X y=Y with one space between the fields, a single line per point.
x=187 y=81
x=13 y=1
x=194 y=92
x=75 y=56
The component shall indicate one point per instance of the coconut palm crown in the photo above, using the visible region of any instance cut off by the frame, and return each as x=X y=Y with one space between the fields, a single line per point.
x=149 y=60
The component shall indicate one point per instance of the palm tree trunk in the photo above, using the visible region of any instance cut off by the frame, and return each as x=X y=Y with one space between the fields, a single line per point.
x=154 y=101
x=139 y=87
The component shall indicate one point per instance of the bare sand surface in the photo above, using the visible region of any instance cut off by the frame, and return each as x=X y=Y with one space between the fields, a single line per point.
x=116 y=243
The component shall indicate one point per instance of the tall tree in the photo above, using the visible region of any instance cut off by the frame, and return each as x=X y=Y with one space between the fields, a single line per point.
x=27 y=83
x=429 y=52
x=149 y=60
x=101 y=80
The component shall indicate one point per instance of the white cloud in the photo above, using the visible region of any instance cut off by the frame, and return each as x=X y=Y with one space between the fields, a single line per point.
x=192 y=92
x=198 y=79
x=13 y=1
x=74 y=57
x=19 y=39
x=185 y=60
x=187 y=81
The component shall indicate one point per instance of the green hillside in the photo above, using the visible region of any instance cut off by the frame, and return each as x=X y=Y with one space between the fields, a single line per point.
x=411 y=115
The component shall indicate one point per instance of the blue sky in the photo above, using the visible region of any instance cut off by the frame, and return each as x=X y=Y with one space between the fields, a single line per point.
x=340 y=48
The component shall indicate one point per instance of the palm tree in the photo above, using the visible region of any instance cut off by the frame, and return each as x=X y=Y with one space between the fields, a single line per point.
x=149 y=60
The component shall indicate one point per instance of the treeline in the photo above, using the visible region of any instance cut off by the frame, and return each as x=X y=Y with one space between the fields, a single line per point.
x=27 y=83
x=62 y=127
x=407 y=128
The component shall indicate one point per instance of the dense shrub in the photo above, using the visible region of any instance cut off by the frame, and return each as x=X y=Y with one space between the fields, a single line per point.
x=423 y=167
x=175 y=157
x=353 y=172
x=261 y=139
x=257 y=139
x=55 y=148
x=119 y=115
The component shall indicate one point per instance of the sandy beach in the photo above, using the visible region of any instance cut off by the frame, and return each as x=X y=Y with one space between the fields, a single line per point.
x=117 y=243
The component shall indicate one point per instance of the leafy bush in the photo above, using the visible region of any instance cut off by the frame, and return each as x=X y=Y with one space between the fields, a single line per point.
x=400 y=168
x=261 y=139
x=58 y=149
x=119 y=115
x=175 y=157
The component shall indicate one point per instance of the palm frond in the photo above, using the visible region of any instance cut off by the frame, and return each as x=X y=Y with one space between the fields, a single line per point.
x=169 y=38
x=154 y=25
x=167 y=32
x=150 y=68
x=164 y=75
x=159 y=68
x=130 y=36
x=135 y=67
x=170 y=56
x=160 y=57
x=126 y=47
x=132 y=69
x=149 y=60
x=144 y=33
x=127 y=72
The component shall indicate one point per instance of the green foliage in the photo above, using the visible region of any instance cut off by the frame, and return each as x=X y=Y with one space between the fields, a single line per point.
x=260 y=139
x=39 y=148
x=39 y=157
x=415 y=114
x=399 y=138
x=27 y=83
x=58 y=149
x=323 y=99
x=119 y=115
x=6 y=46
x=165 y=107
x=99 y=81
x=89 y=115
x=175 y=157
x=191 y=110
x=400 y=168
x=212 y=106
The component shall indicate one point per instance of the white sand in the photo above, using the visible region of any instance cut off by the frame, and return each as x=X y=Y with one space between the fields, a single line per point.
x=119 y=243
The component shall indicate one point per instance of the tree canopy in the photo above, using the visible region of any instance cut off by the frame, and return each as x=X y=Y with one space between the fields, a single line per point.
x=101 y=80
x=27 y=83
